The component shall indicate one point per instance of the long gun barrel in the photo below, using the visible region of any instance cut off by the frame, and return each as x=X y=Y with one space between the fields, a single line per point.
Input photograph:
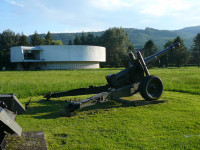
x=160 y=54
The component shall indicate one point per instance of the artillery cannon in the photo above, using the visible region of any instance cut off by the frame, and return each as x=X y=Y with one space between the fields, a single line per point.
x=127 y=82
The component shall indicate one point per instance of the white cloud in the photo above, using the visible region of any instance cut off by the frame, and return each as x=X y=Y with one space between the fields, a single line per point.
x=160 y=7
x=14 y=3
x=110 y=4
x=68 y=31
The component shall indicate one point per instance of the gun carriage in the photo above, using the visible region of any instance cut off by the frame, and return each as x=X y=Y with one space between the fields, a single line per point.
x=133 y=79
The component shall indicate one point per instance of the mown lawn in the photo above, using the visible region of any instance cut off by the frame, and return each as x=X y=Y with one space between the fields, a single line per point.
x=171 y=125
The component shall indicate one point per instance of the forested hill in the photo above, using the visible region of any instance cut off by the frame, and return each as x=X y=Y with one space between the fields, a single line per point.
x=139 y=36
x=160 y=37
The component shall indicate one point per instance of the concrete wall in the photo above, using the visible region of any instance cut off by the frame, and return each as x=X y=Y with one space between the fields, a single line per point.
x=16 y=54
x=51 y=53
x=60 y=65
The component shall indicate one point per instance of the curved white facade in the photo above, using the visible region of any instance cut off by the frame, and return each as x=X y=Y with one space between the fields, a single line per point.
x=58 y=57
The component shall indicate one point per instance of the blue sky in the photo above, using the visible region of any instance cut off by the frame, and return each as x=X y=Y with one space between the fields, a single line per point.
x=61 y=16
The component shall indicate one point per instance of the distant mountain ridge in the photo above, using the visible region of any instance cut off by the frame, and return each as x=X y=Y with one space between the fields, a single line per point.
x=139 y=36
x=190 y=30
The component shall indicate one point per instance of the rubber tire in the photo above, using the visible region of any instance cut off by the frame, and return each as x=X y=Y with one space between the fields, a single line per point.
x=151 y=87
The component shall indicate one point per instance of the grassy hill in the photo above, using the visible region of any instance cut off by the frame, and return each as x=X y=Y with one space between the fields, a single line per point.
x=139 y=36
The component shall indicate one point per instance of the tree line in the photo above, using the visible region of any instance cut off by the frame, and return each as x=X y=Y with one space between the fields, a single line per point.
x=117 y=44
x=9 y=39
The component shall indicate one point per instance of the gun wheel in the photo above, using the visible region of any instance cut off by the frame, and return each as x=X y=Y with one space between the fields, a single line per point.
x=151 y=87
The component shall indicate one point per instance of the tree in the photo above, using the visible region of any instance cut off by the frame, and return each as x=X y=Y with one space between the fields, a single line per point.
x=3 y=60
x=57 y=42
x=76 y=40
x=70 y=42
x=195 y=57
x=8 y=39
x=149 y=48
x=130 y=47
x=35 y=39
x=83 y=39
x=42 y=41
x=116 y=42
x=90 y=40
x=98 y=41
x=180 y=55
x=48 y=38
x=23 y=40
x=164 y=59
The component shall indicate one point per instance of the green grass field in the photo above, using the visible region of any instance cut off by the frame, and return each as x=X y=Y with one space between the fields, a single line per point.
x=171 y=125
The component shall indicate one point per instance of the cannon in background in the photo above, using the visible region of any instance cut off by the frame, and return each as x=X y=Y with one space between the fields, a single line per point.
x=127 y=82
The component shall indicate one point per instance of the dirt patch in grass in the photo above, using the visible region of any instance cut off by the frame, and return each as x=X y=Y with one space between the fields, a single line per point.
x=34 y=140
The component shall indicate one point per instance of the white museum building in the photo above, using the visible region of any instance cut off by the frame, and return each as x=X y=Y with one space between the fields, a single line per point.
x=50 y=57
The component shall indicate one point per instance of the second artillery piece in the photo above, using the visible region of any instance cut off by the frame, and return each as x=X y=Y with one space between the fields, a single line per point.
x=125 y=83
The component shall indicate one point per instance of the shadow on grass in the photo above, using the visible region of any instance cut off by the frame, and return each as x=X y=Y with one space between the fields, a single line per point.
x=52 y=109
x=182 y=91
x=106 y=105
x=46 y=109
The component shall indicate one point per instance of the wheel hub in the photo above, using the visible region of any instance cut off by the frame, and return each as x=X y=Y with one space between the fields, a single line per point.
x=153 y=87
